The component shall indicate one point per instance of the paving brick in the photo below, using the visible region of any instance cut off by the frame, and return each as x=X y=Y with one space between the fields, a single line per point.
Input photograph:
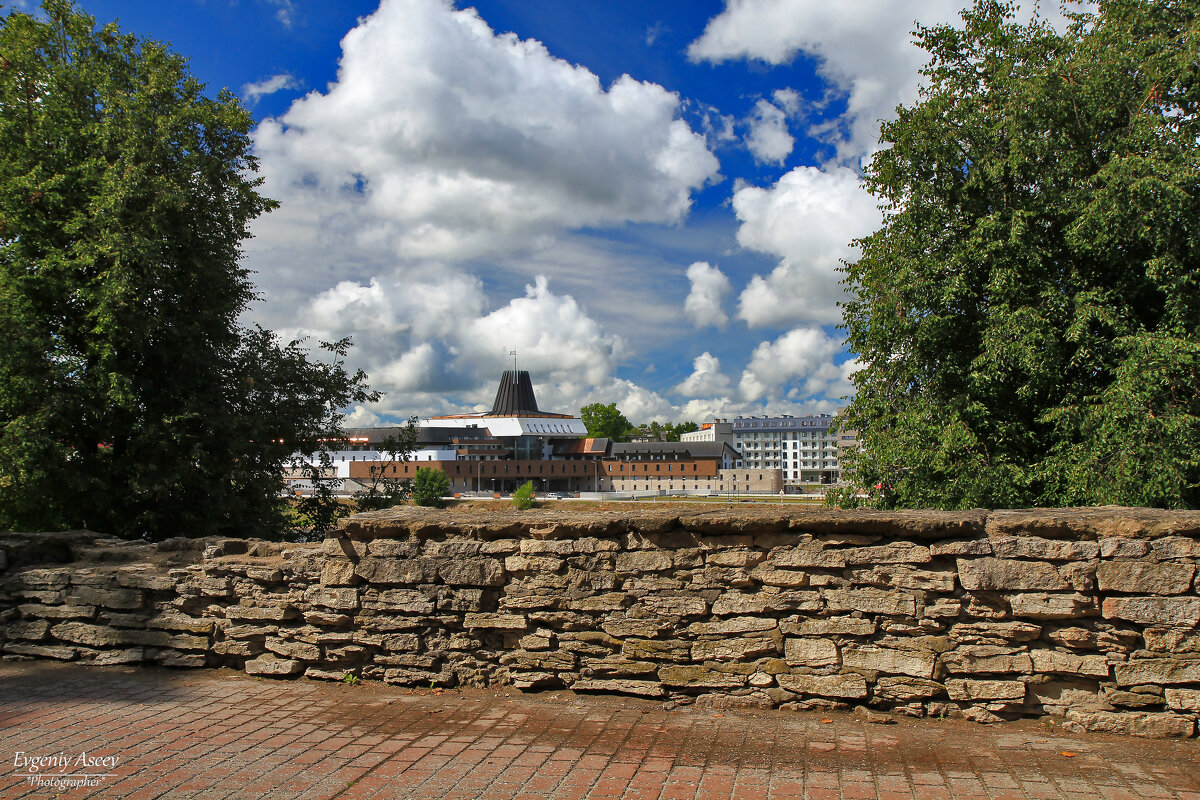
x=217 y=735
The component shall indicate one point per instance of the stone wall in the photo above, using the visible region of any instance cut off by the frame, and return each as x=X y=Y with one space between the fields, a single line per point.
x=1090 y=616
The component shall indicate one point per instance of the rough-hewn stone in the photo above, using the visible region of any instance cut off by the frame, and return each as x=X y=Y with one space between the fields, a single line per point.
x=1090 y=614
x=997 y=574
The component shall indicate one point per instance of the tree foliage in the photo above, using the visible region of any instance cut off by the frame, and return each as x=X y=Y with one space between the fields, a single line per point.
x=131 y=400
x=523 y=497
x=606 y=421
x=430 y=487
x=385 y=488
x=1029 y=312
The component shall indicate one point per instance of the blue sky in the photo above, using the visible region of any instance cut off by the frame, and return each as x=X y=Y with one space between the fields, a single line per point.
x=646 y=200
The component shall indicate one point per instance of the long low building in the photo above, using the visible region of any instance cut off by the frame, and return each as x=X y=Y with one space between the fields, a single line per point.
x=515 y=442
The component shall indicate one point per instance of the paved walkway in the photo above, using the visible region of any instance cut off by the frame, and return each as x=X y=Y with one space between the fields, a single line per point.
x=151 y=733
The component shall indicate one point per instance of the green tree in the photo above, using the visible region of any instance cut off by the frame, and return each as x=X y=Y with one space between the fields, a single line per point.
x=430 y=487
x=606 y=421
x=386 y=489
x=131 y=400
x=1029 y=312
x=523 y=497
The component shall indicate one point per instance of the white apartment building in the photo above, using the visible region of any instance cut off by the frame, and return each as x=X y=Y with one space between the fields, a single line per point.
x=805 y=448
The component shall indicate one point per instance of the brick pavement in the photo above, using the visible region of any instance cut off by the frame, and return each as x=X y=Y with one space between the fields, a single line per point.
x=220 y=734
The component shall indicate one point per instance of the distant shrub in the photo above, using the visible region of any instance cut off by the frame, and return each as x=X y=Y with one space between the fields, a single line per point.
x=429 y=487
x=523 y=497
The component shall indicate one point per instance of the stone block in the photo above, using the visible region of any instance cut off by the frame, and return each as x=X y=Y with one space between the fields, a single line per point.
x=726 y=627
x=871 y=601
x=339 y=573
x=644 y=561
x=808 y=558
x=107 y=598
x=609 y=601
x=1044 y=549
x=405 y=601
x=403 y=571
x=1123 y=548
x=1004 y=631
x=1056 y=695
x=904 y=689
x=41 y=651
x=401 y=642
x=471 y=572
x=810 y=652
x=997 y=574
x=1142 y=577
x=902 y=576
x=1170 y=548
x=916 y=664
x=1160 y=725
x=1159 y=671
x=1057 y=661
x=830 y=626
x=132 y=655
x=633 y=626
x=658 y=649
x=744 y=559
x=967 y=547
x=1126 y=699
x=621 y=686
x=558 y=547
x=787 y=578
x=617 y=667
x=278 y=613
x=85 y=634
x=694 y=676
x=528 y=563
x=236 y=648
x=977 y=659
x=1172 y=640
x=139 y=579
x=172 y=658
x=973 y=690
x=453 y=548
x=28 y=630
x=894 y=553
x=57 y=612
x=337 y=599
x=303 y=651
x=675 y=605
x=848 y=685
x=507 y=622
x=387 y=548
x=733 y=649
x=273 y=667
x=1183 y=699
x=546 y=660
x=1177 y=611
x=179 y=622
x=1041 y=605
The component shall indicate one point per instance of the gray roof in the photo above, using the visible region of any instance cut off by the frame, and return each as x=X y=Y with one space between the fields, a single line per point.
x=673 y=449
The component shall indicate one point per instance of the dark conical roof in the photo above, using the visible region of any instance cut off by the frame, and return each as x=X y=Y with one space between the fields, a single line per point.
x=514 y=395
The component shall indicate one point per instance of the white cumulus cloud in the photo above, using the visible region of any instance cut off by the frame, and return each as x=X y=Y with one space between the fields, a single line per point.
x=552 y=334
x=802 y=357
x=441 y=138
x=863 y=47
x=706 y=379
x=768 y=139
x=252 y=92
x=807 y=219
x=705 y=302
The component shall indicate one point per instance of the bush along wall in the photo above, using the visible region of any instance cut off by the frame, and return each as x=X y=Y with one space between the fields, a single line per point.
x=1089 y=616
